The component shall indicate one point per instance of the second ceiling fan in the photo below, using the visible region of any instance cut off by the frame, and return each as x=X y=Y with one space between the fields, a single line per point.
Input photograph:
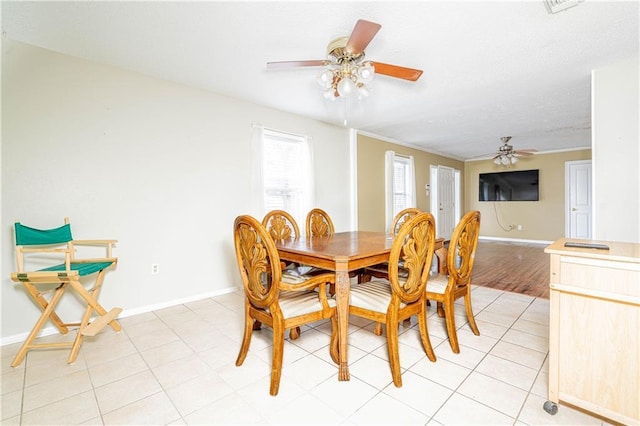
x=507 y=155
x=347 y=72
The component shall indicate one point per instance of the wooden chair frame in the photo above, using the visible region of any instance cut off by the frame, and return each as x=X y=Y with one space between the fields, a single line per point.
x=402 y=217
x=281 y=225
x=265 y=290
x=318 y=224
x=457 y=281
x=63 y=276
x=380 y=271
x=406 y=295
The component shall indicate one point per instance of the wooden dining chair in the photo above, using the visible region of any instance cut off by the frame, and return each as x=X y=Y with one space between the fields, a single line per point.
x=403 y=294
x=381 y=270
x=48 y=265
x=281 y=225
x=445 y=289
x=273 y=299
x=318 y=224
x=401 y=218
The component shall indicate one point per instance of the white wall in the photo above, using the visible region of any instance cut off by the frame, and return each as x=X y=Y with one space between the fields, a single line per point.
x=616 y=152
x=160 y=167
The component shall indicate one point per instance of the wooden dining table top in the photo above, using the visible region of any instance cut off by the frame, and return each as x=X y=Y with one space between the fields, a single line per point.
x=358 y=248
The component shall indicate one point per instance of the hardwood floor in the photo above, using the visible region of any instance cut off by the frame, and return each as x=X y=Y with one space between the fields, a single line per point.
x=516 y=267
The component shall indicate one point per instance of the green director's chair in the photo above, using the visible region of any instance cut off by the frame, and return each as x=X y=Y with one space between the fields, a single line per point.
x=45 y=245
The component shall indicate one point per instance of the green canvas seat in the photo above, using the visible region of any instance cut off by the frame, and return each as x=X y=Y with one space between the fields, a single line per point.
x=57 y=247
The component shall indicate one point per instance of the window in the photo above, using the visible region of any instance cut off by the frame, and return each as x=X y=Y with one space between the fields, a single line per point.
x=287 y=173
x=400 y=184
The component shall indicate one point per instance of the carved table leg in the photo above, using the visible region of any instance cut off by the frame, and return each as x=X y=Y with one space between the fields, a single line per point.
x=342 y=303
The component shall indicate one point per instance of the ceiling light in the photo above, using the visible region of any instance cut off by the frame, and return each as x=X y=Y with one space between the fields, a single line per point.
x=505 y=159
x=346 y=74
x=347 y=78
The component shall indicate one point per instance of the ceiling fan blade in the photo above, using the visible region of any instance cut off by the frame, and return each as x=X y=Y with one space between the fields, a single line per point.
x=397 y=71
x=361 y=36
x=293 y=64
x=525 y=152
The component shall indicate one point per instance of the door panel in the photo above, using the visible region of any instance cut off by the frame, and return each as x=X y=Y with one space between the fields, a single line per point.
x=446 y=202
x=579 y=202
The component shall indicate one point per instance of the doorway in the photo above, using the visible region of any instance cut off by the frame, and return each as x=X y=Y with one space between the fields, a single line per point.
x=578 y=200
x=445 y=199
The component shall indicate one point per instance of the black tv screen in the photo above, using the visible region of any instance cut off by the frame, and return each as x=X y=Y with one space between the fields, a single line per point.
x=521 y=185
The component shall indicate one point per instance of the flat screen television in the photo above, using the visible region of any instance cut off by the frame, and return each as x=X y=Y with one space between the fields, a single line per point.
x=520 y=185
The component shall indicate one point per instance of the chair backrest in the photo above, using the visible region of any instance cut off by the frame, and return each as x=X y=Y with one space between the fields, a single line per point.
x=258 y=261
x=462 y=248
x=281 y=225
x=26 y=236
x=318 y=224
x=34 y=240
x=413 y=245
x=402 y=217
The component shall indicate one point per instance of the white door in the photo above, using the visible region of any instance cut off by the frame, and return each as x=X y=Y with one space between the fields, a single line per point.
x=445 y=205
x=578 y=203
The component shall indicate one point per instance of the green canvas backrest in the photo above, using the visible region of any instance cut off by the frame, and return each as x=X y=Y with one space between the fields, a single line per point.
x=26 y=236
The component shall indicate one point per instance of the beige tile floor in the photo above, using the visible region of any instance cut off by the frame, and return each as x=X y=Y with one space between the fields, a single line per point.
x=177 y=366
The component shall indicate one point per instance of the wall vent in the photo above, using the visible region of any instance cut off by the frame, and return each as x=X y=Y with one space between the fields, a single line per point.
x=555 y=6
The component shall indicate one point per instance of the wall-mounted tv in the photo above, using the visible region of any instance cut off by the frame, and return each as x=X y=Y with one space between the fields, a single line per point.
x=520 y=185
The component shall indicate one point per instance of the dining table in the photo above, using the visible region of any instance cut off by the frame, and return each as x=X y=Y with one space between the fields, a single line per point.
x=340 y=252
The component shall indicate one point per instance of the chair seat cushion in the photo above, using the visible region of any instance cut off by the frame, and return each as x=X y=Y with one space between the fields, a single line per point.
x=382 y=269
x=292 y=277
x=82 y=268
x=296 y=303
x=374 y=295
x=437 y=283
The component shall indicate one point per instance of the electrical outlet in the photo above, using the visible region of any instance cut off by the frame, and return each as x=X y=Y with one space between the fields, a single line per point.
x=519 y=227
x=155 y=268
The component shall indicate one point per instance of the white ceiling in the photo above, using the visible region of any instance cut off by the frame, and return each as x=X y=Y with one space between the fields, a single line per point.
x=491 y=69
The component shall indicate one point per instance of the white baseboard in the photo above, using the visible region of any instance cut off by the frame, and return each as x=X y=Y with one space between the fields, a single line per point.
x=515 y=240
x=18 y=338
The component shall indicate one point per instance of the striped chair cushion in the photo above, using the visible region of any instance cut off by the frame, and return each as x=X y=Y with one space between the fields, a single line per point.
x=296 y=303
x=290 y=277
x=374 y=295
x=437 y=283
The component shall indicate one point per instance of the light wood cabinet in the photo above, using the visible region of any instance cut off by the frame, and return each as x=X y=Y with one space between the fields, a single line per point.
x=594 y=347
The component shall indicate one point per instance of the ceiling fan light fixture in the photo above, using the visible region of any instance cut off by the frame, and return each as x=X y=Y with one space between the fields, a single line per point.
x=365 y=72
x=363 y=91
x=345 y=69
x=346 y=87
x=325 y=79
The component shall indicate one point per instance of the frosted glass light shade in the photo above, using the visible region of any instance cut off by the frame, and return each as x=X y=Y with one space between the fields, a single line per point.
x=365 y=72
x=325 y=79
x=346 y=87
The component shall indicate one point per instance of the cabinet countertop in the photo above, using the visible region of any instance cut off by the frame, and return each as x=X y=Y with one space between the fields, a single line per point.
x=618 y=251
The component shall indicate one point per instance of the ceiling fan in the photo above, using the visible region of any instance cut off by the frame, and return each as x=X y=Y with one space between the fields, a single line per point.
x=347 y=73
x=507 y=155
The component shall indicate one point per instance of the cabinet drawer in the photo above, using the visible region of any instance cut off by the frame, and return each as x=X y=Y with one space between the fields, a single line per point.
x=599 y=276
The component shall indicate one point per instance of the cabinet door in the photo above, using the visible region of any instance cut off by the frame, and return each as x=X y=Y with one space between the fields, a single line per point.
x=594 y=348
x=598 y=357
